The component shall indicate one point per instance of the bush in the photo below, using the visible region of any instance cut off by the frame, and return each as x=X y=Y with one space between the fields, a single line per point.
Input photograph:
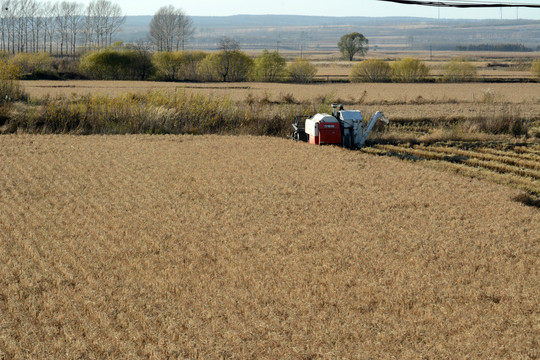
x=115 y=64
x=301 y=71
x=10 y=89
x=106 y=64
x=409 y=70
x=269 y=66
x=535 y=69
x=459 y=70
x=372 y=70
x=32 y=63
x=495 y=121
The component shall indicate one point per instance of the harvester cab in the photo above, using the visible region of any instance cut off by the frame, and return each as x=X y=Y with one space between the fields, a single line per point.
x=343 y=127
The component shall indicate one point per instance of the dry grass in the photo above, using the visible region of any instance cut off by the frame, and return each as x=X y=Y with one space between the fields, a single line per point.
x=238 y=247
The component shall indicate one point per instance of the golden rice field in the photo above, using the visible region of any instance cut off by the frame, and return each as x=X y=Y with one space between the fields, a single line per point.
x=221 y=247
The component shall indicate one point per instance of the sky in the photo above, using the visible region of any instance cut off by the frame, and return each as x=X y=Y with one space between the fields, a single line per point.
x=370 y=8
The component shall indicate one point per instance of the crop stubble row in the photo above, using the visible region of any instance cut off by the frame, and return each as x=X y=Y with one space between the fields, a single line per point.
x=507 y=167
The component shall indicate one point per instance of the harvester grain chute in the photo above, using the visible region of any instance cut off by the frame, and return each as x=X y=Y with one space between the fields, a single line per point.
x=343 y=127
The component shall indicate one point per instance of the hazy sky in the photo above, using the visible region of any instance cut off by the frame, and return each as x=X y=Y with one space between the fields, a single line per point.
x=370 y=8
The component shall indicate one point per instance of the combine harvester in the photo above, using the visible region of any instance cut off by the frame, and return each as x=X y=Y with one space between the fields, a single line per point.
x=343 y=127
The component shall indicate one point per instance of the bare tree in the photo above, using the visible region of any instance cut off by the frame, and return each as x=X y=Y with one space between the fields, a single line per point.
x=103 y=20
x=60 y=17
x=115 y=20
x=74 y=24
x=49 y=27
x=67 y=18
x=185 y=31
x=170 y=28
x=4 y=21
x=21 y=25
x=33 y=25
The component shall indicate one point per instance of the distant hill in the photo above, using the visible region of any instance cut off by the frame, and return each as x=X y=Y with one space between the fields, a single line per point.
x=322 y=33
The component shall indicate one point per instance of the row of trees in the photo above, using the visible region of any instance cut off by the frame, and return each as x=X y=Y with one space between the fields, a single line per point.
x=409 y=70
x=227 y=64
x=132 y=62
x=33 y=26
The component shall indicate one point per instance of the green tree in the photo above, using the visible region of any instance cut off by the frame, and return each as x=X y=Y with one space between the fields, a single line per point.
x=372 y=70
x=143 y=67
x=351 y=44
x=459 y=70
x=302 y=71
x=269 y=66
x=409 y=70
x=219 y=66
x=179 y=65
x=189 y=67
x=226 y=66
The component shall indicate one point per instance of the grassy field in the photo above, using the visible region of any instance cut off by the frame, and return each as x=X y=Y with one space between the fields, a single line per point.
x=253 y=247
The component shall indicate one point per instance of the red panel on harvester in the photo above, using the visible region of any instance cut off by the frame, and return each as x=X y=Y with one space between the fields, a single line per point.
x=323 y=129
x=329 y=132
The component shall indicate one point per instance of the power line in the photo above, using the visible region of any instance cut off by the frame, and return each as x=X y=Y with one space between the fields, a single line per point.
x=464 y=4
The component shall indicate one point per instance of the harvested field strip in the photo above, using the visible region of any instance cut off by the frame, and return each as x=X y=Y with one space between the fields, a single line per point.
x=522 y=163
x=509 y=153
x=493 y=170
x=426 y=153
x=534 y=150
x=518 y=182
x=524 y=183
